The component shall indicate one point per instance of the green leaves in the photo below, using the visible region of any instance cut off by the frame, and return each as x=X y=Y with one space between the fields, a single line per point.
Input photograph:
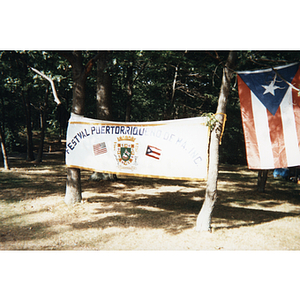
x=156 y=92
x=211 y=122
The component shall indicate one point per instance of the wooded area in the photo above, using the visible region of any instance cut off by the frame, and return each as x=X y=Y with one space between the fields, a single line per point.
x=125 y=86
x=145 y=86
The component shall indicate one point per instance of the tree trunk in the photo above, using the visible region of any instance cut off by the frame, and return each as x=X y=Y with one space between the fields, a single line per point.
x=172 y=102
x=2 y=138
x=4 y=153
x=129 y=92
x=80 y=73
x=204 y=217
x=104 y=88
x=104 y=102
x=261 y=180
x=30 y=155
x=131 y=78
x=62 y=116
x=43 y=112
x=73 y=186
x=170 y=110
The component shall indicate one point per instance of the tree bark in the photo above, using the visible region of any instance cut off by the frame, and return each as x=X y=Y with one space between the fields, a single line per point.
x=80 y=73
x=204 y=218
x=170 y=109
x=2 y=138
x=43 y=112
x=30 y=155
x=104 y=88
x=73 y=186
x=62 y=116
x=131 y=78
x=172 y=102
x=129 y=92
x=4 y=153
x=104 y=102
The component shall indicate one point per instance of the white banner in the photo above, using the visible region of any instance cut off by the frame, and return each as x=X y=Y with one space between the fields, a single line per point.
x=176 y=149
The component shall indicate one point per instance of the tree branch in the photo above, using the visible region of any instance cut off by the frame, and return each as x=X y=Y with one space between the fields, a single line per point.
x=181 y=89
x=68 y=55
x=275 y=61
x=288 y=83
x=56 y=99
x=140 y=71
x=90 y=63
x=217 y=57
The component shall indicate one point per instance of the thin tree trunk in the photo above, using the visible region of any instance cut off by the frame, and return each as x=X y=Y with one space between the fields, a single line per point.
x=2 y=138
x=261 y=180
x=43 y=113
x=170 y=108
x=131 y=79
x=62 y=116
x=172 y=104
x=4 y=153
x=205 y=215
x=129 y=92
x=30 y=155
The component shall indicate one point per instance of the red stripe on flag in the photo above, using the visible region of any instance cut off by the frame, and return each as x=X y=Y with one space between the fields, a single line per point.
x=277 y=139
x=153 y=156
x=296 y=102
x=157 y=153
x=251 y=143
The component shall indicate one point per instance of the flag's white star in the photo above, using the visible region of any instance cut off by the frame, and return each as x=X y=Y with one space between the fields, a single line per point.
x=271 y=87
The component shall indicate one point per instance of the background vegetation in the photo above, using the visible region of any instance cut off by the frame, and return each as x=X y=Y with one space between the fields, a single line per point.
x=163 y=85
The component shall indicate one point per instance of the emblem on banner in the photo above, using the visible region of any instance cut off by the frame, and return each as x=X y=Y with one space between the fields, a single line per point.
x=126 y=152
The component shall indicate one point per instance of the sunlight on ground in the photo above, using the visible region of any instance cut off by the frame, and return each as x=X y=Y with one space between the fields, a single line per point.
x=141 y=214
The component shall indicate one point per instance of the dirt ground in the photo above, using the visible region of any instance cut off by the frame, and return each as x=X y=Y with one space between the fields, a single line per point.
x=143 y=214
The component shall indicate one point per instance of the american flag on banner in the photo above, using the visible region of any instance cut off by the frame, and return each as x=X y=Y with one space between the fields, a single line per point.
x=270 y=109
x=99 y=148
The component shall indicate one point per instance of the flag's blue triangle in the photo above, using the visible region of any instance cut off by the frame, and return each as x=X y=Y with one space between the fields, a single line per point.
x=268 y=87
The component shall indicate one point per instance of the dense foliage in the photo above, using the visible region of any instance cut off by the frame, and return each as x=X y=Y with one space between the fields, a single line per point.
x=164 y=85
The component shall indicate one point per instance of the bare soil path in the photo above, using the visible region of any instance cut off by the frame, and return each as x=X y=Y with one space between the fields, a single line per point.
x=143 y=214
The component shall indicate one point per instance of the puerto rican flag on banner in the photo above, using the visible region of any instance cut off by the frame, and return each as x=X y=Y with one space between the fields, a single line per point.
x=270 y=109
x=153 y=152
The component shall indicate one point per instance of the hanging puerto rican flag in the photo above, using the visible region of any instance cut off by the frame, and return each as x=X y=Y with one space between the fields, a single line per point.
x=270 y=109
x=175 y=149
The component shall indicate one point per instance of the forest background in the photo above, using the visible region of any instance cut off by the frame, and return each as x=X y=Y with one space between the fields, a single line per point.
x=145 y=86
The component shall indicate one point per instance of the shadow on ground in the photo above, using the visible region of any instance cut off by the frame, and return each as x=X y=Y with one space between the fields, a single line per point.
x=126 y=202
x=177 y=211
